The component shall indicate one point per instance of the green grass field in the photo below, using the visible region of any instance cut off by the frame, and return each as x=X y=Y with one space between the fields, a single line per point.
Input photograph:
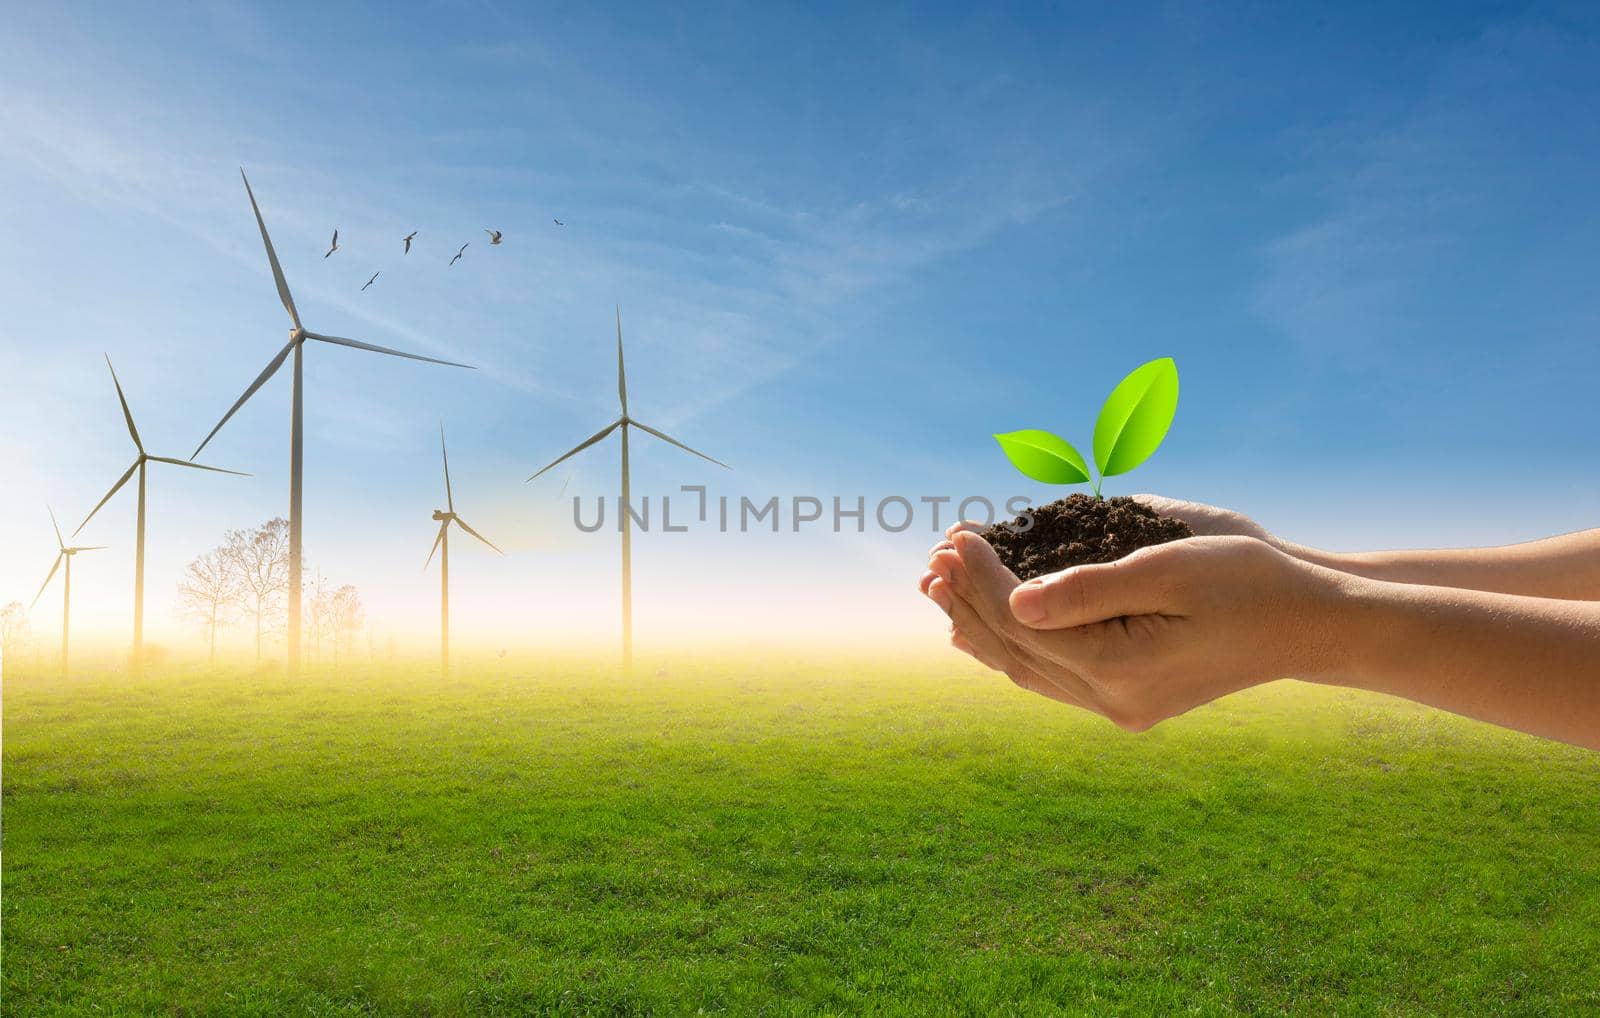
x=777 y=836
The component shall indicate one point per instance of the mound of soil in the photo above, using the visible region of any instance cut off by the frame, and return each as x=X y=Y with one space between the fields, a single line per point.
x=1080 y=530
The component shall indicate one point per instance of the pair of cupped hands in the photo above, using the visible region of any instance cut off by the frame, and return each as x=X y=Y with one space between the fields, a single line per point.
x=1153 y=634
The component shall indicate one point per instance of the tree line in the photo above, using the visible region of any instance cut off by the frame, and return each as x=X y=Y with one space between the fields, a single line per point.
x=243 y=580
x=246 y=579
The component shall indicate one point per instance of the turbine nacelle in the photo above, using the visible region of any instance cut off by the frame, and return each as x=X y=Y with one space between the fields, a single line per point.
x=139 y=461
x=298 y=334
x=623 y=422
x=65 y=552
x=445 y=517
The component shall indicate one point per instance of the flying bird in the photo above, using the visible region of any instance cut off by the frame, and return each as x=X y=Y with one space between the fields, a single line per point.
x=299 y=338
x=457 y=258
x=413 y=233
x=369 y=282
x=558 y=222
x=494 y=235
x=335 y=246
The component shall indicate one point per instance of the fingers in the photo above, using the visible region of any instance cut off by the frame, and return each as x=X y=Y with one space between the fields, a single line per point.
x=1206 y=520
x=978 y=608
x=961 y=643
x=1084 y=595
x=937 y=589
x=981 y=584
x=976 y=639
x=1067 y=653
x=1201 y=518
x=1159 y=503
x=984 y=649
x=980 y=578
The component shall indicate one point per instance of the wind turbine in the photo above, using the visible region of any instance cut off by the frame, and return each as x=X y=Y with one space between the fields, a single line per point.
x=624 y=422
x=139 y=464
x=442 y=543
x=66 y=554
x=298 y=335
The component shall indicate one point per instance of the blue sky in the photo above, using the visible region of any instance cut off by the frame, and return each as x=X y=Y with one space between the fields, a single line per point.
x=848 y=244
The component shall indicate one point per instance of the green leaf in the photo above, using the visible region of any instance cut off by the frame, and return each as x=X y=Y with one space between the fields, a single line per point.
x=1136 y=417
x=1044 y=457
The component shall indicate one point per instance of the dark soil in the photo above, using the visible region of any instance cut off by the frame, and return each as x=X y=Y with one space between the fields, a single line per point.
x=1079 y=530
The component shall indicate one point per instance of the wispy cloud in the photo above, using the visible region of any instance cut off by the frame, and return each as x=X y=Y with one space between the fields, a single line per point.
x=1418 y=194
x=745 y=284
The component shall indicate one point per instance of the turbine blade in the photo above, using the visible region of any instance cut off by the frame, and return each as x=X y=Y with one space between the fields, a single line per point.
x=127 y=414
x=59 y=542
x=198 y=466
x=622 y=377
x=586 y=443
x=114 y=489
x=261 y=379
x=474 y=533
x=341 y=341
x=668 y=438
x=92 y=547
x=57 y=565
x=272 y=256
x=435 y=547
x=449 y=498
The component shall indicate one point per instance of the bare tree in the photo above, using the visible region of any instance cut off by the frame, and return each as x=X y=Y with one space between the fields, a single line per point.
x=318 y=612
x=335 y=616
x=211 y=594
x=259 y=560
x=348 y=617
x=13 y=630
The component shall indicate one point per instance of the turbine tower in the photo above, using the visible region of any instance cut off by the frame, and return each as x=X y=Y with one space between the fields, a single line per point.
x=624 y=422
x=139 y=464
x=298 y=335
x=442 y=544
x=65 y=554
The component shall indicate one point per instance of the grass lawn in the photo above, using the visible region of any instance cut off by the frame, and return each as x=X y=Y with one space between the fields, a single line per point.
x=777 y=836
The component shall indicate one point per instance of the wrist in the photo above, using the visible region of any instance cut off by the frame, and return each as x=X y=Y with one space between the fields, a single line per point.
x=1344 y=562
x=1347 y=626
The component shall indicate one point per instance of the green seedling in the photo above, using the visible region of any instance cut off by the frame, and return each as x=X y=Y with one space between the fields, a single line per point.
x=1132 y=424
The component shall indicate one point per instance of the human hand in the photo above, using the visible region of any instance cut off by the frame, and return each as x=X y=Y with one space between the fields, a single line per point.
x=1149 y=636
x=1209 y=520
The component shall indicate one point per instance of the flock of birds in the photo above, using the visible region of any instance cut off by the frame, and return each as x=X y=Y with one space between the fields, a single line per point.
x=494 y=240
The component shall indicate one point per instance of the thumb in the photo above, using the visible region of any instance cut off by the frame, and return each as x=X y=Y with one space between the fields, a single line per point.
x=1084 y=595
